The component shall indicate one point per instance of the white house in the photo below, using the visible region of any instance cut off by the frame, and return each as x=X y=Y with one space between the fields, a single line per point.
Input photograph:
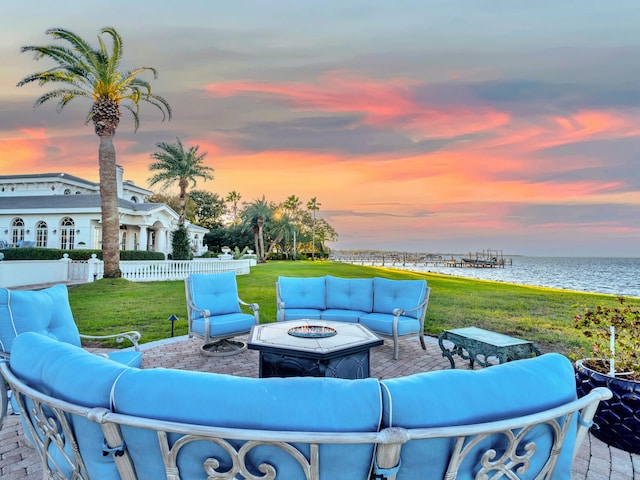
x=58 y=210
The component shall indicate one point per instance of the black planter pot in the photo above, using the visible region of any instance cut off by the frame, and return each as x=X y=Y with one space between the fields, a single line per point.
x=617 y=420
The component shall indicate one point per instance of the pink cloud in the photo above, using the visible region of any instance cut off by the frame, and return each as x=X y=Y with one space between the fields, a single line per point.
x=382 y=103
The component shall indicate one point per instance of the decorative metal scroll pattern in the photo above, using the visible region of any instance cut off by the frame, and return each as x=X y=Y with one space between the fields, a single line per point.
x=310 y=467
x=51 y=432
x=516 y=458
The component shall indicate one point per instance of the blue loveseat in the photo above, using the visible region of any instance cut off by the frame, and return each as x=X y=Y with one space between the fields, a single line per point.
x=387 y=307
x=124 y=422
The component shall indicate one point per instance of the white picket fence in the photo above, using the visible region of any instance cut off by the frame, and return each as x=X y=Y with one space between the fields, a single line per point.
x=35 y=272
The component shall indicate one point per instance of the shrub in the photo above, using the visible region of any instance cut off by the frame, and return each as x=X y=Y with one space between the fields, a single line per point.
x=56 y=254
x=596 y=323
x=180 y=244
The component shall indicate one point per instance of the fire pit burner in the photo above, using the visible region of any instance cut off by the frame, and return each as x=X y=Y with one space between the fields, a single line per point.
x=312 y=331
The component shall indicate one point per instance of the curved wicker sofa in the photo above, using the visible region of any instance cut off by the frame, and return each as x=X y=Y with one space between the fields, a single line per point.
x=94 y=418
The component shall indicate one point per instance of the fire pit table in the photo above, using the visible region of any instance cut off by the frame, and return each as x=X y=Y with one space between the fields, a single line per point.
x=313 y=348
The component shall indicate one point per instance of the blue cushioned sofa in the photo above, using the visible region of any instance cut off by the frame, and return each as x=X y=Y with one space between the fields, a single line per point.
x=110 y=421
x=387 y=307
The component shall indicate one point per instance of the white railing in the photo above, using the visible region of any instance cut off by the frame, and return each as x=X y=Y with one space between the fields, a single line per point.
x=158 y=270
x=18 y=273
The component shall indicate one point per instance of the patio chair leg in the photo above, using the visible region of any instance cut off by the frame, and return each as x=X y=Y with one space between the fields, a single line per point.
x=4 y=401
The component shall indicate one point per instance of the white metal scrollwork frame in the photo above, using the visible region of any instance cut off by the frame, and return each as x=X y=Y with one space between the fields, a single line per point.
x=49 y=426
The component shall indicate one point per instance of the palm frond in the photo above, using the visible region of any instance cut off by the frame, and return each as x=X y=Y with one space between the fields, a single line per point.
x=134 y=114
x=93 y=73
x=61 y=94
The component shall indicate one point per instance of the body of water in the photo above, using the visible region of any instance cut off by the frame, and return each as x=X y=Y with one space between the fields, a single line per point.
x=617 y=276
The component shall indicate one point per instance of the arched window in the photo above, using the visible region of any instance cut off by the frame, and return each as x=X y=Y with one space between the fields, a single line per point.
x=42 y=234
x=123 y=239
x=134 y=199
x=67 y=233
x=67 y=191
x=17 y=230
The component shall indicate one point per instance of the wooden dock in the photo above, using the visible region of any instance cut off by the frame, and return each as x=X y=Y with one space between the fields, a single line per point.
x=483 y=259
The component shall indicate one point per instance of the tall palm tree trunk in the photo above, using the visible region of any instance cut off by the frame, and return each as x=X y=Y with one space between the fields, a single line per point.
x=109 y=205
x=256 y=235
x=183 y=184
x=261 y=254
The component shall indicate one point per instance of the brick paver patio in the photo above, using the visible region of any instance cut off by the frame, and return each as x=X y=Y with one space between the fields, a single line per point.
x=595 y=461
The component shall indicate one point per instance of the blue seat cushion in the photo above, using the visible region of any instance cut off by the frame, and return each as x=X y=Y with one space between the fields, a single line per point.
x=130 y=358
x=383 y=323
x=391 y=294
x=301 y=313
x=336 y=315
x=350 y=293
x=70 y=373
x=44 y=311
x=215 y=292
x=285 y=404
x=229 y=324
x=303 y=292
x=459 y=397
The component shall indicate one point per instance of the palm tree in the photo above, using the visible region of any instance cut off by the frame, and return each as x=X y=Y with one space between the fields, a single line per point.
x=280 y=229
x=291 y=204
x=87 y=72
x=255 y=215
x=314 y=206
x=175 y=164
x=234 y=197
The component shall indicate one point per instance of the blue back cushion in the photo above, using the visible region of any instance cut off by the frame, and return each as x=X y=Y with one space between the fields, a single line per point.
x=295 y=404
x=216 y=292
x=350 y=293
x=303 y=292
x=391 y=294
x=72 y=374
x=44 y=311
x=459 y=397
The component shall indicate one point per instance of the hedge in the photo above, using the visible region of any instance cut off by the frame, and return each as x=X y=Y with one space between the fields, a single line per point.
x=56 y=254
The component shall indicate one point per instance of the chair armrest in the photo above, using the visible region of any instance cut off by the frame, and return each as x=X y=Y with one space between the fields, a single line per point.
x=280 y=309
x=132 y=336
x=192 y=307
x=401 y=311
x=253 y=306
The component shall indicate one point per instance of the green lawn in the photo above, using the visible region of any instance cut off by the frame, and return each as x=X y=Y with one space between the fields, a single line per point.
x=539 y=314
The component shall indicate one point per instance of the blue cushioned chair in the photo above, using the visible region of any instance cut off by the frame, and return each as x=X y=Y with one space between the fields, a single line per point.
x=213 y=307
x=47 y=311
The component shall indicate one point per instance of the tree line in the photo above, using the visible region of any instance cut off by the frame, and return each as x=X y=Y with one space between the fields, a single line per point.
x=83 y=71
x=287 y=229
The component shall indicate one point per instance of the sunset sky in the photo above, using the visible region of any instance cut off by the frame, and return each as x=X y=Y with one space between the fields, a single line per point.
x=419 y=125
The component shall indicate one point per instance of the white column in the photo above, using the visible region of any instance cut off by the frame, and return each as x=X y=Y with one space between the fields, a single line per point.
x=143 y=238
